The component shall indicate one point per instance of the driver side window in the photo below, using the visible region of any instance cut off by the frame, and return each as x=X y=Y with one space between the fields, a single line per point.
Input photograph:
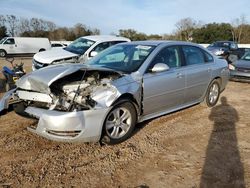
x=169 y=56
x=9 y=41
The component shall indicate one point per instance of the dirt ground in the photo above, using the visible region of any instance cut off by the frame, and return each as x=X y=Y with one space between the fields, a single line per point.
x=195 y=147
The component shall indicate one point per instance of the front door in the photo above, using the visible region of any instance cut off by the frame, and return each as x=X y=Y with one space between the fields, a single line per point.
x=10 y=46
x=164 y=90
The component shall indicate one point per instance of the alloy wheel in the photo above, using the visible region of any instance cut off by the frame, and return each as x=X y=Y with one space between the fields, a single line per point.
x=118 y=122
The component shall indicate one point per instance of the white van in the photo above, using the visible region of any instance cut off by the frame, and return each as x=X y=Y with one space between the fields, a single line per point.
x=79 y=50
x=23 y=45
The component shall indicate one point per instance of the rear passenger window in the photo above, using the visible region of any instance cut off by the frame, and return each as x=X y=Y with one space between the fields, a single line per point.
x=193 y=55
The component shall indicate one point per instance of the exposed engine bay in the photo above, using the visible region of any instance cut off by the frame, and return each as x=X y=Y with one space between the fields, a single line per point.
x=79 y=91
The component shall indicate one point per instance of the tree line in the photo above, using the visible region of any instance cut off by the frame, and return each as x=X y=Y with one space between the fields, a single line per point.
x=186 y=29
x=11 y=25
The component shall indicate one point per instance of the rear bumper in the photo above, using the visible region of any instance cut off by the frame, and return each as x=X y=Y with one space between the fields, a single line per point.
x=82 y=126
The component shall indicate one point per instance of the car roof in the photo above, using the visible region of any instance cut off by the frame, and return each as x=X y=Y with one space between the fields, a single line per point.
x=102 y=38
x=159 y=42
x=224 y=41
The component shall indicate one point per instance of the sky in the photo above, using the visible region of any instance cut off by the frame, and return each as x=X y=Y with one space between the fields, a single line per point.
x=147 y=16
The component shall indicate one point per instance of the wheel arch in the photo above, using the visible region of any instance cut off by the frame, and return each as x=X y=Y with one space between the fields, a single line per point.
x=41 y=50
x=129 y=97
x=218 y=79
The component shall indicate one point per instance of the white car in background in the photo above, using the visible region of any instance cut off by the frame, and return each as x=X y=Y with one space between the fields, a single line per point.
x=79 y=50
x=23 y=45
x=59 y=44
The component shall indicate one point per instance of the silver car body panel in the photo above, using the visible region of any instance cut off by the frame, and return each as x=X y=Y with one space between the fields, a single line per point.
x=153 y=94
x=46 y=76
x=81 y=126
x=34 y=96
x=5 y=100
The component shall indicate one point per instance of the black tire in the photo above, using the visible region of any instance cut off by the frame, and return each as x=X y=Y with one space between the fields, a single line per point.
x=3 y=53
x=121 y=127
x=41 y=50
x=212 y=94
x=19 y=109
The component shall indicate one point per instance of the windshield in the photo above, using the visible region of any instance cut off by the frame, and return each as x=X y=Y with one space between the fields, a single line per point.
x=246 y=57
x=124 y=57
x=2 y=40
x=79 y=46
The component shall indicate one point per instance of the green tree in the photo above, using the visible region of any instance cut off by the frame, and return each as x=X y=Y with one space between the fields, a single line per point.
x=213 y=32
x=132 y=34
x=3 y=32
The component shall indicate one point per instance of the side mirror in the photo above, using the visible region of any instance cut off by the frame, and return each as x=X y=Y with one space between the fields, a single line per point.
x=93 y=53
x=160 y=67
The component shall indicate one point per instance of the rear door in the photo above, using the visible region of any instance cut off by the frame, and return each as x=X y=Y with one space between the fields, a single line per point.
x=164 y=90
x=198 y=72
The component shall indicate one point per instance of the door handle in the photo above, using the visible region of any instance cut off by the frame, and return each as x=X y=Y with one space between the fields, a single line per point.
x=209 y=70
x=179 y=75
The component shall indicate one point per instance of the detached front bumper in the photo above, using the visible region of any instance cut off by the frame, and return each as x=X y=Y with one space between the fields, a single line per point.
x=82 y=126
x=240 y=76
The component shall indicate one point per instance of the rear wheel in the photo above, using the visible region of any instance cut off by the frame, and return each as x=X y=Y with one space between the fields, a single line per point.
x=119 y=123
x=3 y=53
x=213 y=94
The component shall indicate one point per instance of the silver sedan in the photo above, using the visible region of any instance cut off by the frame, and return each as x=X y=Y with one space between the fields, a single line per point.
x=128 y=83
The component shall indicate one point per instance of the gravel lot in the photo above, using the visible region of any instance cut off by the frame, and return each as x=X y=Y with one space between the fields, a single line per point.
x=195 y=147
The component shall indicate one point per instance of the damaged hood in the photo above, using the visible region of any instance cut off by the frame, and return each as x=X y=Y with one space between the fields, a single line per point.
x=41 y=79
x=49 y=56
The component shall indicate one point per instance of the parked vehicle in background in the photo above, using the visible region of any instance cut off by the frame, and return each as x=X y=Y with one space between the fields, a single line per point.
x=125 y=84
x=227 y=49
x=23 y=45
x=240 y=70
x=81 y=49
x=220 y=47
x=11 y=75
x=59 y=44
x=242 y=52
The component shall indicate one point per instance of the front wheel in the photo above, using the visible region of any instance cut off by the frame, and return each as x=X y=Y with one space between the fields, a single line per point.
x=119 y=123
x=3 y=53
x=213 y=94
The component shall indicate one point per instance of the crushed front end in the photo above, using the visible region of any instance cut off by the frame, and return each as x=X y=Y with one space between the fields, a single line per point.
x=70 y=105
